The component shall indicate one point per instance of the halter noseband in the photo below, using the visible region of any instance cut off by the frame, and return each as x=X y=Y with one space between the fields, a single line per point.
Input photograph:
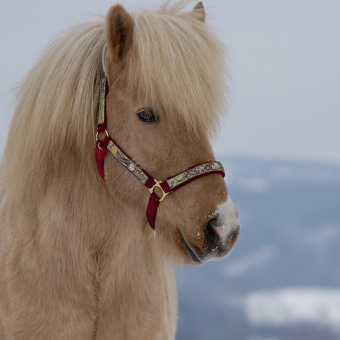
x=171 y=184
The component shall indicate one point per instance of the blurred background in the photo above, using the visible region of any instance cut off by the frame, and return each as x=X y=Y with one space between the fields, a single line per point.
x=280 y=147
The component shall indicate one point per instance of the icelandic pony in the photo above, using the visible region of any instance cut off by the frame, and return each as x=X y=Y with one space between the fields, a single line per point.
x=78 y=259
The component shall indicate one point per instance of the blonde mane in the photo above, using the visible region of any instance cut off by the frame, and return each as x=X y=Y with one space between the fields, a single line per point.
x=176 y=63
x=56 y=109
x=179 y=65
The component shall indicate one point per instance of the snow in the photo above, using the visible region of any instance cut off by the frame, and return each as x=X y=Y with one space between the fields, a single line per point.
x=291 y=306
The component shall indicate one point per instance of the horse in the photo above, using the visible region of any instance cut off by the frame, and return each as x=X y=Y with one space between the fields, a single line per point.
x=81 y=186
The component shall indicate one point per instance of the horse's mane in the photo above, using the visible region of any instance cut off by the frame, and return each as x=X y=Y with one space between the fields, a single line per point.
x=56 y=109
x=175 y=63
x=179 y=65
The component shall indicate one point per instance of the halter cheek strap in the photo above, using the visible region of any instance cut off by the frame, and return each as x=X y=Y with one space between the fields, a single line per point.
x=171 y=184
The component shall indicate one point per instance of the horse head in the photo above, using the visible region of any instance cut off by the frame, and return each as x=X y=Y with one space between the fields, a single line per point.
x=166 y=91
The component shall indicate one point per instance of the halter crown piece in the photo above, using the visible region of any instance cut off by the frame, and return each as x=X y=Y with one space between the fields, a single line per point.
x=171 y=184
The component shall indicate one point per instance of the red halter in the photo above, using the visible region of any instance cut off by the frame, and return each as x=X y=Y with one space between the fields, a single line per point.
x=171 y=184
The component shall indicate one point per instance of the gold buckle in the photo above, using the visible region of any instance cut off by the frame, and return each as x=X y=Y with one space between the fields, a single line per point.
x=157 y=185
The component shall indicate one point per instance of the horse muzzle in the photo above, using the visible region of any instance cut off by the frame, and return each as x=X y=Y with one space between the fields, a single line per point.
x=215 y=238
x=216 y=241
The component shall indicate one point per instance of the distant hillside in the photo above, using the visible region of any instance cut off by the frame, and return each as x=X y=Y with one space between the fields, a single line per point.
x=282 y=281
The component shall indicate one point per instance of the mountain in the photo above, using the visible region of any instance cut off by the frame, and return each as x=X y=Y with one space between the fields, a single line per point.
x=282 y=279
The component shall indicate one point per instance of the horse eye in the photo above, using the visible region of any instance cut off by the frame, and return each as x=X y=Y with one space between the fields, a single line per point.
x=147 y=116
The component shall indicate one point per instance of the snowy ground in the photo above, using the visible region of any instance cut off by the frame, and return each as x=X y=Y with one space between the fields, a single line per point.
x=281 y=281
x=313 y=307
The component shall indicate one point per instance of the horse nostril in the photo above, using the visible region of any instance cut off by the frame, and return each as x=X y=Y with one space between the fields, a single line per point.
x=212 y=236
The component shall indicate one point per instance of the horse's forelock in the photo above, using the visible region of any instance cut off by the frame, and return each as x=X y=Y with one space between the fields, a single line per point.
x=178 y=63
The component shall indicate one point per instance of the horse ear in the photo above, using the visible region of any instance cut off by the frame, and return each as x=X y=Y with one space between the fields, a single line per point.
x=199 y=11
x=118 y=29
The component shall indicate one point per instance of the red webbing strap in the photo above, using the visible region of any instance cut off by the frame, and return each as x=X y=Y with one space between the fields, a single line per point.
x=154 y=200
x=177 y=182
x=100 y=154
x=151 y=210
x=101 y=127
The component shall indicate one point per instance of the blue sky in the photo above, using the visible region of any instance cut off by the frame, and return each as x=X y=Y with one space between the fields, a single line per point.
x=284 y=61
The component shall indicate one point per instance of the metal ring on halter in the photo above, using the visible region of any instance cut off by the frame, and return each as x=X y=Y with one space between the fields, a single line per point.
x=97 y=134
x=158 y=185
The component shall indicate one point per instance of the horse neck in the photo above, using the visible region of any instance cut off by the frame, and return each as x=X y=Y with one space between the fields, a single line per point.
x=86 y=207
x=77 y=225
x=118 y=238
